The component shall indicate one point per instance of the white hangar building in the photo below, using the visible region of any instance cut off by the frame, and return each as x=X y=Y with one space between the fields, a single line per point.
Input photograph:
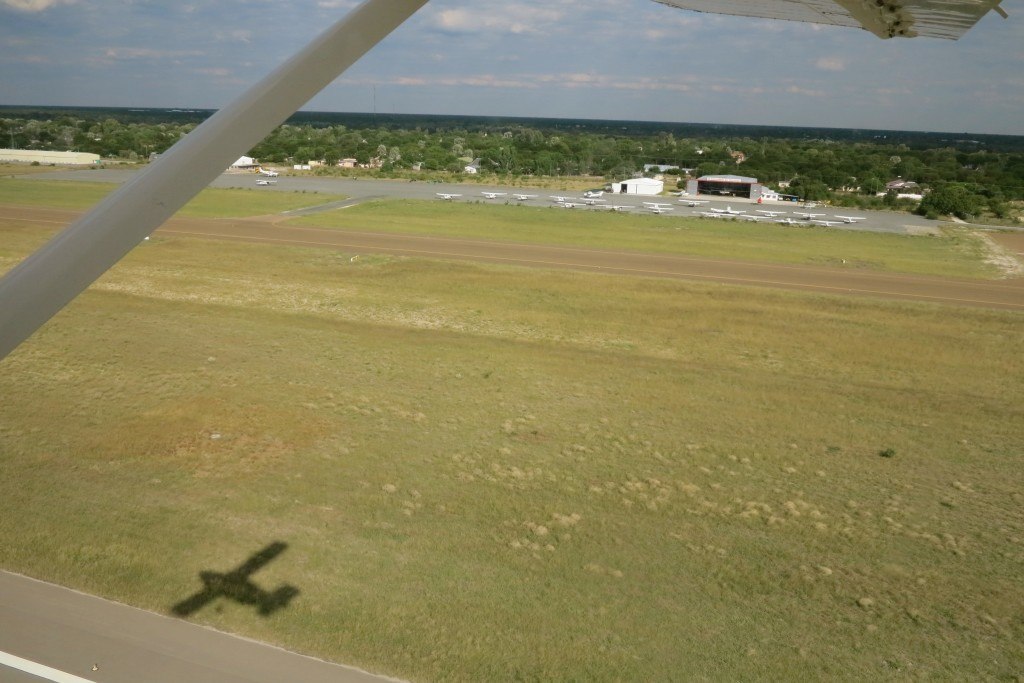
x=28 y=156
x=645 y=186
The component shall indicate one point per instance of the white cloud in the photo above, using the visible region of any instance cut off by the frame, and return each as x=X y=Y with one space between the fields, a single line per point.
x=35 y=5
x=514 y=18
x=831 y=64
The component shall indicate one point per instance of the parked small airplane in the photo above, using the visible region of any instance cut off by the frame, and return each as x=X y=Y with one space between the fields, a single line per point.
x=493 y=195
x=590 y=201
x=727 y=211
x=808 y=216
x=748 y=217
x=524 y=197
x=593 y=194
x=655 y=207
x=710 y=214
x=692 y=202
x=827 y=224
x=772 y=214
x=559 y=200
x=446 y=196
x=788 y=221
x=571 y=205
x=851 y=219
x=614 y=207
x=263 y=171
x=266 y=182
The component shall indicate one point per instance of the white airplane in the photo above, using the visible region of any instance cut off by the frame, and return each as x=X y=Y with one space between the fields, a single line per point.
x=447 y=196
x=748 y=217
x=590 y=201
x=593 y=194
x=266 y=182
x=693 y=202
x=788 y=221
x=851 y=219
x=615 y=207
x=263 y=171
x=827 y=224
x=40 y=286
x=524 y=197
x=808 y=216
x=727 y=211
x=772 y=214
x=709 y=214
x=493 y=195
x=559 y=200
x=570 y=205
x=658 y=208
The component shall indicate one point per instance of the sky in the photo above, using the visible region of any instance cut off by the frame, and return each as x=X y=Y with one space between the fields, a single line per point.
x=595 y=59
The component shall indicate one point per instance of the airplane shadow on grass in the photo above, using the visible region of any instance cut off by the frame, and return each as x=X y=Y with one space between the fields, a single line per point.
x=235 y=585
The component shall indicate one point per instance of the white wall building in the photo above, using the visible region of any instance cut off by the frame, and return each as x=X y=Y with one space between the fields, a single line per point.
x=244 y=162
x=39 y=156
x=644 y=186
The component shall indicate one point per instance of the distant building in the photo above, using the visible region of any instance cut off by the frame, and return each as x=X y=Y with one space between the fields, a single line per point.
x=644 y=186
x=245 y=162
x=29 y=156
x=726 y=186
x=348 y=163
x=473 y=167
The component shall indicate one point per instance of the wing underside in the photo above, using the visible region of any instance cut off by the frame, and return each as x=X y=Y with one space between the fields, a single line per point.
x=948 y=19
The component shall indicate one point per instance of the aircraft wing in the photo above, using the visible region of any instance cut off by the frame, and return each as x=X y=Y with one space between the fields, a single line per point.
x=948 y=19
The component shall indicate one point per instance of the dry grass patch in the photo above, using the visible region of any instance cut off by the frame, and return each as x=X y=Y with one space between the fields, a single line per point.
x=492 y=473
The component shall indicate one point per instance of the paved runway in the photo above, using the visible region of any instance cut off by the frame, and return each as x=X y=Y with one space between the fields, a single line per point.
x=360 y=189
x=1005 y=294
x=71 y=632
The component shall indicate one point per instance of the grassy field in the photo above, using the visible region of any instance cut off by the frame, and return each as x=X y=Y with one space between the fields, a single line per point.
x=957 y=253
x=210 y=203
x=489 y=473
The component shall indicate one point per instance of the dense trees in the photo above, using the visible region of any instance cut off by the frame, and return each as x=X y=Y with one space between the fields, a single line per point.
x=966 y=175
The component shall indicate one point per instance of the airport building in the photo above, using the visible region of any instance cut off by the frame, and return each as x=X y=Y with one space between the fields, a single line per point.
x=644 y=186
x=725 y=186
x=28 y=156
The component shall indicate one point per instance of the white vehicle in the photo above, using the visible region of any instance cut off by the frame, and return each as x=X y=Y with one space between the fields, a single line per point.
x=772 y=214
x=593 y=194
x=524 y=197
x=851 y=219
x=493 y=195
x=693 y=202
x=727 y=211
x=447 y=196
x=808 y=216
x=263 y=171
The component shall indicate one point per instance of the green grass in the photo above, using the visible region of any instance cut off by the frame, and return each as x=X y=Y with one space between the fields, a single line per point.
x=210 y=203
x=490 y=473
x=956 y=253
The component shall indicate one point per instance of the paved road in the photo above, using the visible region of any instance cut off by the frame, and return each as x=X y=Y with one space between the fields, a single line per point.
x=71 y=632
x=1004 y=294
x=365 y=189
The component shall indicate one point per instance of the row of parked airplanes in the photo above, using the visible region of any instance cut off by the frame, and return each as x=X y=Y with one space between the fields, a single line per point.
x=592 y=198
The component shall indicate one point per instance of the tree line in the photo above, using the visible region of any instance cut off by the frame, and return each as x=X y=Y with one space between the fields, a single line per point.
x=843 y=166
